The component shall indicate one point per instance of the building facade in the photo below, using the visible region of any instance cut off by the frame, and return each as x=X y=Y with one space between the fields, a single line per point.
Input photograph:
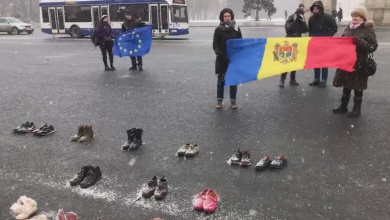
x=378 y=10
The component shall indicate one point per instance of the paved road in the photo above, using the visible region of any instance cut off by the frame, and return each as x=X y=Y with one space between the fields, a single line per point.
x=338 y=166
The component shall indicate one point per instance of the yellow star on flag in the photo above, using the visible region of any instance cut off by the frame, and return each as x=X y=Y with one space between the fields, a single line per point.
x=140 y=41
x=137 y=35
x=125 y=50
x=136 y=50
x=131 y=52
x=119 y=44
x=134 y=32
x=139 y=46
x=120 y=48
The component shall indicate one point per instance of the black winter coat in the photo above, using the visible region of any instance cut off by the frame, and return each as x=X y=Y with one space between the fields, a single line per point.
x=295 y=26
x=321 y=24
x=357 y=80
x=132 y=24
x=103 y=34
x=221 y=35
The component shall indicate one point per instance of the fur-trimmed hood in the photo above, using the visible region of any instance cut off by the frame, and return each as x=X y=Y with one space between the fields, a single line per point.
x=369 y=23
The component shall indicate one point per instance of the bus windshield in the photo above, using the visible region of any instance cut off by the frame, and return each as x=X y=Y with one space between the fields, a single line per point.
x=179 y=13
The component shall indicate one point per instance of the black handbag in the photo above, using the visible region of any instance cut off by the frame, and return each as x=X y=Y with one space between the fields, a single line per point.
x=370 y=65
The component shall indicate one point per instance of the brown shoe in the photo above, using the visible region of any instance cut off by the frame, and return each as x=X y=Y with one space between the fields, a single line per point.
x=293 y=82
x=219 y=104
x=79 y=134
x=234 y=104
x=88 y=134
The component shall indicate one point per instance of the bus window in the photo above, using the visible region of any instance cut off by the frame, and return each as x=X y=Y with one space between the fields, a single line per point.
x=164 y=16
x=78 y=14
x=45 y=15
x=179 y=14
x=117 y=12
x=104 y=10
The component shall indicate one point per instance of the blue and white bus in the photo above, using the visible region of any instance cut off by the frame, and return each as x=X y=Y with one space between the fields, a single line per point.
x=79 y=18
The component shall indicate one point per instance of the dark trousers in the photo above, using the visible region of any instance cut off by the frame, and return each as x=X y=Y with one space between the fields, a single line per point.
x=317 y=74
x=347 y=92
x=292 y=76
x=134 y=61
x=107 y=48
x=220 y=90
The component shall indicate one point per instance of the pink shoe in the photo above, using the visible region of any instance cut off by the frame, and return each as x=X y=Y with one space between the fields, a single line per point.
x=71 y=216
x=210 y=204
x=200 y=198
x=61 y=215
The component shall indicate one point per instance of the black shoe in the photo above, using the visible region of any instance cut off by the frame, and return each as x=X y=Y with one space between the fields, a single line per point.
x=140 y=68
x=80 y=176
x=112 y=68
x=322 y=84
x=130 y=139
x=279 y=162
x=93 y=176
x=343 y=108
x=107 y=68
x=133 y=68
x=137 y=143
x=44 y=131
x=357 y=107
x=316 y=82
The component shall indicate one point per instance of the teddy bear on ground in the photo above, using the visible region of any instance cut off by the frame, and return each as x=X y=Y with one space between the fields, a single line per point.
x=24 y=208
x=67 y=216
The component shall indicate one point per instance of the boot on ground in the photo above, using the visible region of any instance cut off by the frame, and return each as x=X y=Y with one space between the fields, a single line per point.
x=233 y=104
x=357 y=106
x=281 y=83
x=79 y=134
x=88 y=134
x=137 y=143
x=293 y=82
x=162 y=189
x=130 y=139
x=93 y=176
x=343 y=108
x=80 y=176
x=219 y=104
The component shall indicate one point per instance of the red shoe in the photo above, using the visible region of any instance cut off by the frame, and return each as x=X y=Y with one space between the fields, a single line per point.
x=61 y=215
x=210 y=204
x=200 y=198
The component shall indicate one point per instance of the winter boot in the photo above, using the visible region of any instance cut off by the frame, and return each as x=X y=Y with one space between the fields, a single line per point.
x=343 y=108
x=130 y=139
x=80 y=176
x=93 y=176
x=88 y=134
x=356 y=111
x=140 y=68
x=233 y=104
x=293 y=82
x=112 y=68
x=316 y=82
x=137 y=143
x=219 y=104
x=162 y=189
x=79 y=134
x=281 y=83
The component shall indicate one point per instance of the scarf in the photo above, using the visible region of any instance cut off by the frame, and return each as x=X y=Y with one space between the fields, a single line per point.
x=354 y=26
x=229 y=25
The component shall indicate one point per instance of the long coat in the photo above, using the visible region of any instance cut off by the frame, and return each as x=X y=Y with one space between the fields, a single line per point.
x=357 y=80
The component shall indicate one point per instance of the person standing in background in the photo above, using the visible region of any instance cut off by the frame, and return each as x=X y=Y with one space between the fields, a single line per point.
x=130 y=24
x=340 y=15
x=102 y=37
x=321 y=24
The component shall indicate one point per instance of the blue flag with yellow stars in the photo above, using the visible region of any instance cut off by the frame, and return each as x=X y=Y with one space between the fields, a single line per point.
x=136 y=42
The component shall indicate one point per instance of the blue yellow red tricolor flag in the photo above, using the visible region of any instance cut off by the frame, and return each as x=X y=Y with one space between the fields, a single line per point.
x=136 y=42
x=254 y=59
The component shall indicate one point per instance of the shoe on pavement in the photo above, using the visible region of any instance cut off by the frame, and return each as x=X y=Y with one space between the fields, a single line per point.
x=263 y=163
x=279 y=162
x=293 y=82
x=40 y=129
x=281 y=84
x=88 y=134
x=233 y=104
x=137 y=143
x=210 y=203
x=133 y=68
x=79 y=134
x=80 y=176
x=148 y=190
x=130 y=138
x=192 y=151
x=162 y=189
x=93 y=176
x=44 y=131
x=316 y=82
x=219 y=104
x=236 y=158
x=182 y=150
x=322 y=84
x=200 y=198
x=25 y=128
x=246 y=158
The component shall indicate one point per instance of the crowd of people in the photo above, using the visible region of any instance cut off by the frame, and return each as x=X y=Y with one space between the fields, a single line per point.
x=320 y=24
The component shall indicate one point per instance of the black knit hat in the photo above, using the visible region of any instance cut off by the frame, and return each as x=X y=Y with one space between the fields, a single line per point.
x=226 y=10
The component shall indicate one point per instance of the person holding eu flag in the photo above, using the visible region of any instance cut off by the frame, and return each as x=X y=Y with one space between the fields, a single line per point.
x=130 y=24
x=225 y=31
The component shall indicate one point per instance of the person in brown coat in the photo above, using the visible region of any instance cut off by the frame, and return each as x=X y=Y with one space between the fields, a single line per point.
x=365 y=41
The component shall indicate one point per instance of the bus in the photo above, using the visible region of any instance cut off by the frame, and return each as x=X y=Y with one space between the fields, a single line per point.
x=79 y=18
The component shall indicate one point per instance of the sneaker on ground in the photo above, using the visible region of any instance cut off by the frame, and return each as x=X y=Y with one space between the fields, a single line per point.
x=25 y=128
x=183 y=149
x=162 y=189
x=41 y=128
x=45 y=131
x=80 y=176
x=93 y=176
x=236 y=158
x=148 y=190
x=246 y=158
x=263 y=163
x=279 y=162
x=192 y=150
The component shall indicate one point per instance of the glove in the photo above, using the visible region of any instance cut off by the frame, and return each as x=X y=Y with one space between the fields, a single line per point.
x=356 y=41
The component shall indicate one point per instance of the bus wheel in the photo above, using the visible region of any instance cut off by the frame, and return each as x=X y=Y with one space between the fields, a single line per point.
x=75 y=32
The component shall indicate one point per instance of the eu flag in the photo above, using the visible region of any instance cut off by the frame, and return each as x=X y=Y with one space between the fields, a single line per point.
x=136 y=42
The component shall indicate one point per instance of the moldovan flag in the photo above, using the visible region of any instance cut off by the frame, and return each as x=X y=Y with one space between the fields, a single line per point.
x=254 y=59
